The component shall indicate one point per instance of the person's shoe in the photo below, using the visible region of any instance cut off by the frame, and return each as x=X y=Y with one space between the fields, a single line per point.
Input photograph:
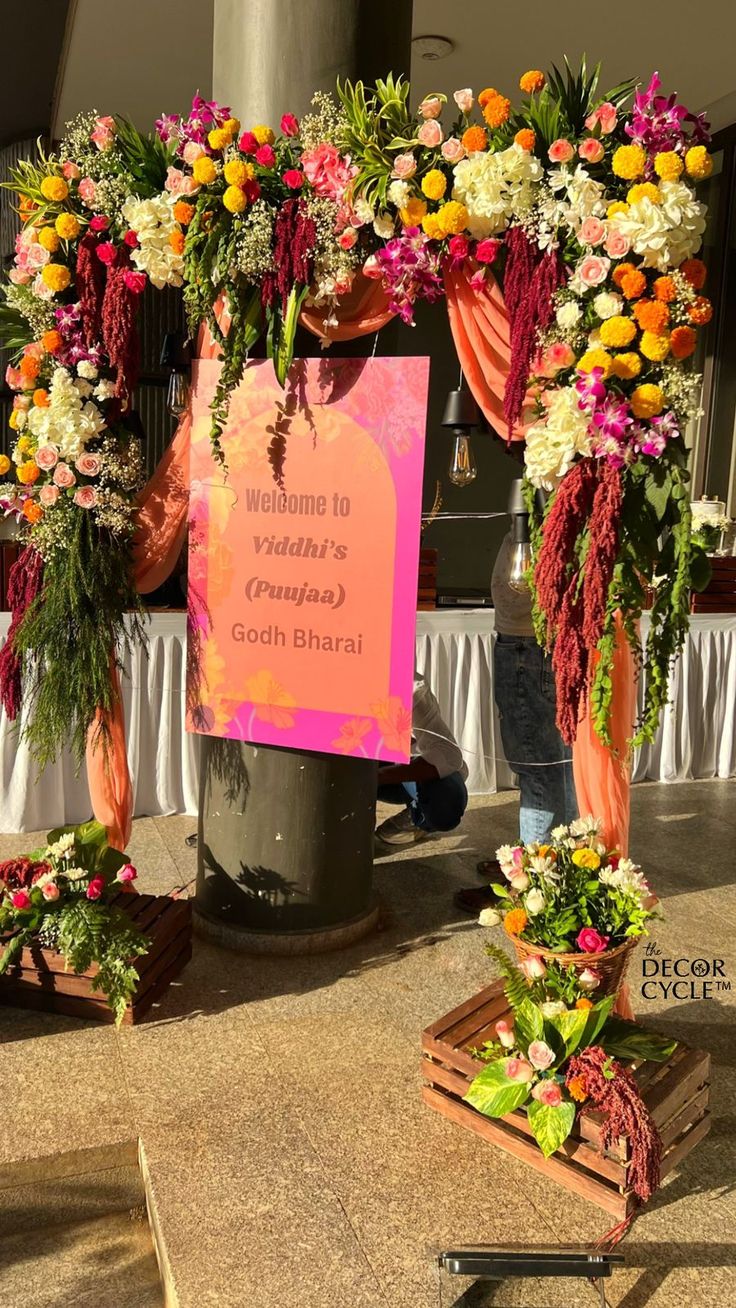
x=400 y=831
x=489 y=869
x=474 y=899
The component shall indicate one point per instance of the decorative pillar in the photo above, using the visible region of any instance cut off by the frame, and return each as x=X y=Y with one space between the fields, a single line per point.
x=285 y=862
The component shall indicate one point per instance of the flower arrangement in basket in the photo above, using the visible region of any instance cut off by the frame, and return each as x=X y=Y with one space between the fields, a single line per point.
x=575 y=902
x=61 y=897
x=559 y=1054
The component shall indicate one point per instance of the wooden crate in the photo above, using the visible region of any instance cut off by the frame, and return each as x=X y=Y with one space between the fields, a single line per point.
x=427 y=588
x=38 y=980
x=676 y=1093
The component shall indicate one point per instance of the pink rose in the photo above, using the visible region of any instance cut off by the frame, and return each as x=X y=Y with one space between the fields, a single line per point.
x=519 y=881
x=43 y=291
x=592 y=231
x=430 y=134
x=248 y=143
x=20 y=899
x=104 y=133
x=458 y=247
x=463 y=99
x=22 y=402
x=431 y=107
x=617 y=245
x=593 y=269
x=561 y=151
x=517 y=1069
x=48 y=495
x=87 y=464
x=346 y=240
x=405 y=166
x=591 y=150
x=13 y=378
x=590 y=941
x=604 y=116
x=19 y=276
x=453 y=150
x=486 y=251
x=70 y=171
x=47 y=457
x=372 y=268
x=534 y=968
x=556 y=356
x=266 y=156
x=87 y=191
x=127 y=873
x=95 y=888
x=293 y=178
x=547 y=1092
x=135 y=281
x=329 y=172
x=540 y=1055
x=290 y=125
x=131 y=239
x=99 y=223
x=107 y=253
x=50 y=891
x=85 y=497
x=175 y=180
x=505 y=1034
x=63 y=476
x=192 y=152
x=589 y=978
x=37 y=257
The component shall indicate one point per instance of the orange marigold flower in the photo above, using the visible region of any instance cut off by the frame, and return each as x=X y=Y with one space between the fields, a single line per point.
x=652 y=315
x=695 y=271
x=682 y=342
x=664 y=289
x=701 y=311
x=32 y=512
x=583 y=1003
x=496 y=110
x=622 y=270
x=633 y=284
x=526 y=139
x=176 y=241
x=515 y=921
x=485 y=96
x=29 y=367
x=475 y=139
x=531 y=81
x=51 y=341
x=577 y=1089
x=183 y=212
x=41 y=398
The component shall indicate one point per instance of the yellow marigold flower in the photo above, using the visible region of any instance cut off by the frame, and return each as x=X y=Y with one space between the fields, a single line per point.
x=24 y=444
x=54 y=189
x=629 y=162
x=668 y=165
x=13 y=419
x=204 y=170
x=4 y=464
x=626 y=366
x=231 y=126
x=48 y=238
x=596 y=359
x=413 y=211
x=644 y=191
x=654 y=346
x=67 y=226
x=434 y=184
x=515 y=921
x=647 y=400
x=532 y=81
x=452 y=218
x=234 y=199
x=263 y=135
x=431 y=227
x=237 y=172
x=218 y=138
x=27 y=473
x=698 y=162
x=56 y=276
x=587 y=858
x=618 y=206
x=617 y=331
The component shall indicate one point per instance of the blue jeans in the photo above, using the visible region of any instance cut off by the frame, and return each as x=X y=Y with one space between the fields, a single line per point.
x=434 y=805
x=525 y=697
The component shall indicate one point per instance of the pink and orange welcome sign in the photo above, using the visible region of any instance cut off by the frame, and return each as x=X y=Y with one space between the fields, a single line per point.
x=302 y=600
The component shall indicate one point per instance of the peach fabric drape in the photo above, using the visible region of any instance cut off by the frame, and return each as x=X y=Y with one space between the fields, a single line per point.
x=363 y=310
x=602 y=776
x=480 y=329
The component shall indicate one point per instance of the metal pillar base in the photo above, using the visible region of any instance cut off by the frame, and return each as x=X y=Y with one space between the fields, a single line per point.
x=284 y=943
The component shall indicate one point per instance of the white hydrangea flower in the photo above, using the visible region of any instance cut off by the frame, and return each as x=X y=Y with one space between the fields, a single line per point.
x=666 y=233
x=578 y=195
x=87 y=370
x=496 y=187
x=553 y=443
x=153 y=223
x=69 y=420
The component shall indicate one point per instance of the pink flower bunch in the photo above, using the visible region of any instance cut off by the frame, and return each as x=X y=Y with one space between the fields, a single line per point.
x=604 y=118
x=203 y=117
x=329 y=172
x=658 y=123
x=411 y=271
x=30 y=257
x=103 y=135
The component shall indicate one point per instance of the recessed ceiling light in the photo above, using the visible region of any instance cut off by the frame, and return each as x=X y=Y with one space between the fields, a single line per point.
x=432 y=47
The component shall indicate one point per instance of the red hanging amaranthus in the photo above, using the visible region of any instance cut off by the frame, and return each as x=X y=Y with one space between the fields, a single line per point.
x=24 y=585
x=570 y=662
x=615 y=1094
x=530 y=281
x=603 y=546
x=569 y=512
x=90 y=282
x=119 y=326
x=294 y=237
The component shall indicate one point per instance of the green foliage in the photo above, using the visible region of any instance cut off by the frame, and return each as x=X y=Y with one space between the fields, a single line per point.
x=528 y=1023
x=515 y=987
x=380 y=126
x=15 y=331
x=88 y=932
x=91 y=850
x=551 y=1125
x=14 y=948
x=71 y=633
x=145 y=157
x=282 y=330
x=494 y=1094
x=626 y=1040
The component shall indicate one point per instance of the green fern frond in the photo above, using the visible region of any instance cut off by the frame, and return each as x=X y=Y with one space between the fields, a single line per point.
x=515 y=987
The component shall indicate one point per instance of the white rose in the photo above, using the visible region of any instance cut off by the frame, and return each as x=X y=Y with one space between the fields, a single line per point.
x=534 y=901
x=520 y=881
x=607 y=304
x=489 y=917
x=552 y=1008
x=568 y=315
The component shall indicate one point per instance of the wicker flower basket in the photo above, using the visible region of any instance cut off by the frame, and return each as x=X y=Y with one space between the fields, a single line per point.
x=611 y=964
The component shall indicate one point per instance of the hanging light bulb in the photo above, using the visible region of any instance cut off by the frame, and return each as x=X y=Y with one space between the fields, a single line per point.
x=521 y=561
x=175 y=356
x=463 y=469
x=521 y=557
x=177 y=394
x=461 y=415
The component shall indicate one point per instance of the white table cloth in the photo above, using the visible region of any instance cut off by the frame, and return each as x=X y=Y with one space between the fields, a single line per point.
x=454 y=650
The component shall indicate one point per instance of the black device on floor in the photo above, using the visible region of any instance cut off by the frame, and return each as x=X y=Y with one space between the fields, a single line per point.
x=497 y=1263
x=466 y=599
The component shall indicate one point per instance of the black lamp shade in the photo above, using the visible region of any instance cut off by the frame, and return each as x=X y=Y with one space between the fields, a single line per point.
x=516 y=503
x=461 y=410
x=175 y=352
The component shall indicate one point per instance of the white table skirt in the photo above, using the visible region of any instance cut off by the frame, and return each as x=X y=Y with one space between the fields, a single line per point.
x=697 y=737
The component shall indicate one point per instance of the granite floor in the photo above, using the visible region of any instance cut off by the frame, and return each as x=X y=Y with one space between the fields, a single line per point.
x=289 y=1160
